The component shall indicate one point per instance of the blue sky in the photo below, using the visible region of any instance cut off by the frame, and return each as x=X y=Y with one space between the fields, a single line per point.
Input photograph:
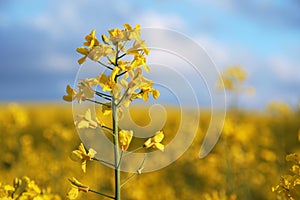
x=39 y=39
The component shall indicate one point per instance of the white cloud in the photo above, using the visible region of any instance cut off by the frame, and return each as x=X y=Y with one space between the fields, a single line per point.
x=159 y=20
x=285 y=69
x=59 y=63
x=218 y=52
x=59 y=20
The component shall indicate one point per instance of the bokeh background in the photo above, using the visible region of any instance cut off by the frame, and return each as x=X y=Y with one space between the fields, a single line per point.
x=38 y=59
x=39 y=39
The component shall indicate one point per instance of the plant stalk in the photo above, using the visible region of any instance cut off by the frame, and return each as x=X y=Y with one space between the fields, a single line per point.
x=116 y=150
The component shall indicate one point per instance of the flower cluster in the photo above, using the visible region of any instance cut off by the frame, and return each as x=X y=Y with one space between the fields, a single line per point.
x=123 y=54
x=288 y=187
x=25 y=189
x=110 y=55
x=233 y=78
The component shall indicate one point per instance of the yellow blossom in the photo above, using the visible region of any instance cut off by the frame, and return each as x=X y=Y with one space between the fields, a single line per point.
x=155 y=141
x=232 y=78
x=139 y=60
x=85 y=89
x=106 y=109
x=114 y=73
x=73 y=193
x=98 y=51
x=86 y=121
x=146 y=90
x=138 y=45
x=84 y=51
x=76 y=188
x=105 y=83
x=91 y=40
x=116 y=35
x=82 y=156
x=125 y=138
x=105 y=39
x=71 y=93
x=132 y=33
x=123 y=65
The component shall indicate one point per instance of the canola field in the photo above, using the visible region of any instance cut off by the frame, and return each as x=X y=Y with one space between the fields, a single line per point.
x=248 y=162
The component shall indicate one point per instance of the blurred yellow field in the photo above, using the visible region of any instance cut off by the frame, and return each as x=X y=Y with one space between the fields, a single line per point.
x=248 y=160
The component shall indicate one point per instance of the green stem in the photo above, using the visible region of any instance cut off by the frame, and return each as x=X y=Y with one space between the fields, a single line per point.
x=128 y=179
x=103 y=161
x=139 y=171
x=104 y=96
x=97 y=102
x=105 y=195
x=127 y=153
x=104 y=65
x=116 y=150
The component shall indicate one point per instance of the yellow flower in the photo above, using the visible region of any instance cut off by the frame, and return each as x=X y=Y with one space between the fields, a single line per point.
x=138 y=45
x=101 y=50
x=76 y=188
x=155 y=93
x=139 y=60
x=106 y=109
x=73 y=193
x=116 y=35
x=232 y=78
x=71 y=93
x=132 y=33
x=125 y=138
x=84 y=51
x=123 y=65
x=113 y=74
x=104 y=82
x=105 y=39
x=91 y=40
x=82 y=156
x=155 y=142
x=145 y=90
x=86 y=121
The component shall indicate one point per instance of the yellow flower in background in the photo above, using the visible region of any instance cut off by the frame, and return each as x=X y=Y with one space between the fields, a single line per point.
x=91 y=40
x=155 y=141
x=73 y=193
x=71 y=93
x=81 y=155
x=25 y=189
x=125 y=138
x=236 y=73
x=232 y=78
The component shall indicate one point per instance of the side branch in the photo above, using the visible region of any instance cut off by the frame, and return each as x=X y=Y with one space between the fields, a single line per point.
x=102 y=194
x=104 y=65
x=97 y=102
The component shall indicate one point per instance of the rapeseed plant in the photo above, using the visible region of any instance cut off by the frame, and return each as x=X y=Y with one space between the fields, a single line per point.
x=123 y=53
